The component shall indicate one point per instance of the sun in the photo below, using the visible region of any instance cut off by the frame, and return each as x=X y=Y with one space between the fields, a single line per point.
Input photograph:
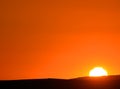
x=97 y=72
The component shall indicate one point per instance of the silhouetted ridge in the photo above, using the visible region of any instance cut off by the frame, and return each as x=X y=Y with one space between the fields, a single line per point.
x=106 y=82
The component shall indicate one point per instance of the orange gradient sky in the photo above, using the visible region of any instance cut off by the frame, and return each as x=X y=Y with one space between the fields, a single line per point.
x=58 y=38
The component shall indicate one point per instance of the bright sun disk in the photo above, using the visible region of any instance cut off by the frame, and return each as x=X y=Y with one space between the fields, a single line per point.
x=98 y=71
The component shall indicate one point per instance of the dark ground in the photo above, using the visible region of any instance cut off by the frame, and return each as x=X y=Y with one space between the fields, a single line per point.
x=109 y=82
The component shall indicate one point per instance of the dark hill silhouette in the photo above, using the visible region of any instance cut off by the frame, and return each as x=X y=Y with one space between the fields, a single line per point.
x=106 y=82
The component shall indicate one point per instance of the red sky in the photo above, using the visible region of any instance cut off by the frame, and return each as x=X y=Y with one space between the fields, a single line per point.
x=58 y=38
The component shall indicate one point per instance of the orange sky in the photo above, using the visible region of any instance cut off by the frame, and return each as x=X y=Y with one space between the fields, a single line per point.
x=58 y=38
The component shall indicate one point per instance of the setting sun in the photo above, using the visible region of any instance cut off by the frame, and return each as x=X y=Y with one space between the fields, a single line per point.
x=98 y=71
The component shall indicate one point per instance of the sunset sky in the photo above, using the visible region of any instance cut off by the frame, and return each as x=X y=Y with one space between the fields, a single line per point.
x=58 y=38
